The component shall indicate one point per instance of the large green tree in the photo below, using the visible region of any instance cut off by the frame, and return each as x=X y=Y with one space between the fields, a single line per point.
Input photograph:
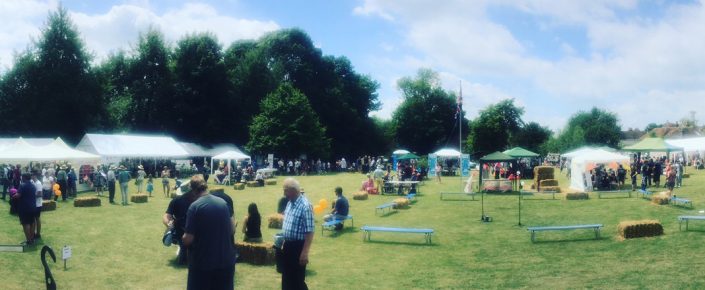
x=288 y=126
x=115 y=78
x=53 y=89
x=495 y=127
x=595 y=127
x=426 y=120
x=531 y=136
x=203 y=93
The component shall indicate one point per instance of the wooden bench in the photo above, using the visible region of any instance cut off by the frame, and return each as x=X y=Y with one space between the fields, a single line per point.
x=329 y=225
x=389 y=205
x=471 y=194
x=686 y=218
x=613 y=192
x=367 y=232
x=678 y=201
x=533 y=230
x=646 y=194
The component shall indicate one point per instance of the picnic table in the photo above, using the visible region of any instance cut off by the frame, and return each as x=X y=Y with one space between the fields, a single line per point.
x=402 y=184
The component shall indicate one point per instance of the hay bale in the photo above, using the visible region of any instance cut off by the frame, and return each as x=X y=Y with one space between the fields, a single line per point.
x=576 y=196
x=270 y=182
x=256 y=253
x=239 y=186
x=252 y=184
x=360 y=195
x=139 y=198
x=550 y=188
x=401 y=203
x=660 y=199
x=48 y=205
x=275 y=221
x=549 y=182
x=639 y=229
x=86 y=201
x=542 y=173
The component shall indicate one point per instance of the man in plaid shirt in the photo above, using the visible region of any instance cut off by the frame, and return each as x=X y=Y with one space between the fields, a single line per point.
x=298 y=235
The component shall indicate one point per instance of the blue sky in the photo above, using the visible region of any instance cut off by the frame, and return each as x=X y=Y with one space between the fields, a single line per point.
x=642 y=60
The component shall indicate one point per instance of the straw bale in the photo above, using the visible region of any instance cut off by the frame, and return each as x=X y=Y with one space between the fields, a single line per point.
x=360 y=195
x=576 y=196
x=139 y=198
x=549 y=182
x=270 y=182
x=48 y=205
x=550 y=188
x=542 y=173
x=401 y=203
x=252 y=184
x=639 y=229
x=660 y=199
x=86 y=201
x=239 y=186
x=275 y=221
x=256 y=253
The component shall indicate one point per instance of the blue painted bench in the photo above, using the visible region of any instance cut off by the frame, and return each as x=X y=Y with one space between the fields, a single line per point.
x=681 y=202
x=389 y=205
x=533 y=230
x=367 y=231
x=329 y=225
x=646 y=194
x=686 y=218
x=470 y=194
x=411 y=196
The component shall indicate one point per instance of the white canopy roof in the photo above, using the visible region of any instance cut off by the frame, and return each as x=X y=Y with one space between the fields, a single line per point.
x=7 y=142
x=195 y=150
x=689 y=144
x=400 y=152
x=23 y=152
x=578 y=166
x=131 y=146
x=447 y=152
x=231 y=155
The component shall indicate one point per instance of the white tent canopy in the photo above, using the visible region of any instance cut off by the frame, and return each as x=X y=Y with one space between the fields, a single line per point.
x=578 y=166
x=689 y=144
x=400 y=152
x=577 y=152
x=7 y=142
x=23 y=152
x=131 y=146
x=446 y=152
x=229 y=156
x=195 y=150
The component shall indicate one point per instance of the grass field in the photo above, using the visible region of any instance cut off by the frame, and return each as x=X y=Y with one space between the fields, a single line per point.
x=117 y=247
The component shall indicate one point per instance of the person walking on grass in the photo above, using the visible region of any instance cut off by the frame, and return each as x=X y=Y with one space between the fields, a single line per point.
x=297 y=232
x=97 y=181
x=26 y=207
x=150 y=185
x=37 y=226
x=111 y=183
x=439 y=170
x=139 y=181
x=209 y=238
x=165 y=181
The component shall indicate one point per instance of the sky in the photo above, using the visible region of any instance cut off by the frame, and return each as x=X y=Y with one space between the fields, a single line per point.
x=642 y=60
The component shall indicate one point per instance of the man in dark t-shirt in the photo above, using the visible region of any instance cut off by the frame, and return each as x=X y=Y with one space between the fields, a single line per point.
x=175 y=217
x=228 y=200
x=26 y=207
x=209 y=237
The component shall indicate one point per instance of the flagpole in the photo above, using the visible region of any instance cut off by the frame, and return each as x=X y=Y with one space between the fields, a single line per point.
x=460 y=135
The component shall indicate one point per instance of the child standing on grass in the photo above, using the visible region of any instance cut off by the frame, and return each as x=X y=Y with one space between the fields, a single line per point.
x=150 y=185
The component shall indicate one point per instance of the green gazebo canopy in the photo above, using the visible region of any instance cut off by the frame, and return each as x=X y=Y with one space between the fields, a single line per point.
x=408 y=156
x=652 y=145
x=520 y=152
x=497 y=157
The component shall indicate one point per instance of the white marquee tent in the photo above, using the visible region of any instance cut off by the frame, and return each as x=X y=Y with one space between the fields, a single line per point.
x=229 y=156
x=447 y=153
x=400 y=152
x=689 y=144
x=22 y=152
x=579 y=165
x=113 y=148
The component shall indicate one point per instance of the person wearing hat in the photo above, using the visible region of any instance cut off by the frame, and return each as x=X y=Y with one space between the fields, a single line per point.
x=62 y=180
x=379 y=177
x=98 y=177
x=140 y=178
x=124 y=179
x=110 y=177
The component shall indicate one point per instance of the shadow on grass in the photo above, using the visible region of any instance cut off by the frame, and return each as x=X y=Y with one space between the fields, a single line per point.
x=548 y=242
x=175 y=264
x=346 y=230
x=389 y=213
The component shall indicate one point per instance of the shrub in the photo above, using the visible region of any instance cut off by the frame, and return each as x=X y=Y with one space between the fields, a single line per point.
x=401 y=203
x=275 y=221
x=576 y=196
x=48 y=205
x=86 y=201
x=256 y=253
x=139 y=198
x=360 y=195
x=638 y=229
x=239 y=186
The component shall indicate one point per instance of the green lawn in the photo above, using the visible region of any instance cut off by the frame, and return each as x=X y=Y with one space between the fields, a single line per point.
x=119 y=247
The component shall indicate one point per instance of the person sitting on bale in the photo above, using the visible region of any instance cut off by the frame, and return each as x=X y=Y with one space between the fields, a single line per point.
x=259 y=178
x=369 y=185
x=340 y=209
x=253 y=220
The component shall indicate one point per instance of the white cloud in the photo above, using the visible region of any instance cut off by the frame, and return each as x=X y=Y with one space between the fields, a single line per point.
x=120 y=26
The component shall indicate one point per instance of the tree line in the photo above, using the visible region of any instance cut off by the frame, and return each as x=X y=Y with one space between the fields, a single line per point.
x=276 y=94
